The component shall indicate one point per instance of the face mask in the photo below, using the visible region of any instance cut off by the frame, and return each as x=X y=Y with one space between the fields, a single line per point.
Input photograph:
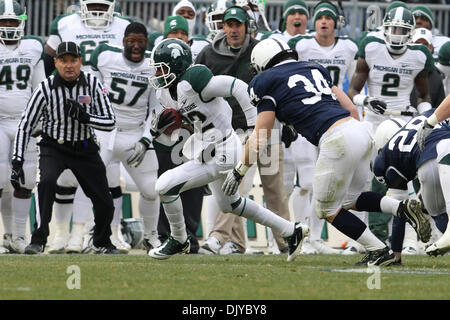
x=253 y=14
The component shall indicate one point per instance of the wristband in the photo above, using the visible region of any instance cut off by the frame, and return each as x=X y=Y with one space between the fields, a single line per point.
x=424 y=106
x=241 y=168
x=359 y=99
x=432 y=120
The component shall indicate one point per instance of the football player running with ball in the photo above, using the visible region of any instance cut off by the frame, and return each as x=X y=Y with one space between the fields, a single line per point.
x=212 y=150
x=302 y=94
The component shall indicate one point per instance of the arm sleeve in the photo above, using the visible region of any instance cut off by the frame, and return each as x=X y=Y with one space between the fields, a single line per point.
x=227 y=86
x=38 y=74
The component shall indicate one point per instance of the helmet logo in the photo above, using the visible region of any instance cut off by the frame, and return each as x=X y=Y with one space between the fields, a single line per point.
x=177 y=50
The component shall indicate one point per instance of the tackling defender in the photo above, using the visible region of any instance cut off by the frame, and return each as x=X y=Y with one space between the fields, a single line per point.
x=302 y=94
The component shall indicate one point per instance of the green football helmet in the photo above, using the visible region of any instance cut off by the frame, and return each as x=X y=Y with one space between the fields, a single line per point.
x=12 y=10
x=443 y=63
x=97 y=19
x=398 y=27
x=170 y=58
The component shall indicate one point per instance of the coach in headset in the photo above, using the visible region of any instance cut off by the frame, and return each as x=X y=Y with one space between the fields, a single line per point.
x=229 y=54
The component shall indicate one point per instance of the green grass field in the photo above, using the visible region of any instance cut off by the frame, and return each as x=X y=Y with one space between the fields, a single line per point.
x=199 y=277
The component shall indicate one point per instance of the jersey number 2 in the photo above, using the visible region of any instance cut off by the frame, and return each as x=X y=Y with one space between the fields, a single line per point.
x=320 y=87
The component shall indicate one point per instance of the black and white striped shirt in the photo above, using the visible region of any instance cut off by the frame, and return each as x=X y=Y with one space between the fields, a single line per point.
x=47 y=105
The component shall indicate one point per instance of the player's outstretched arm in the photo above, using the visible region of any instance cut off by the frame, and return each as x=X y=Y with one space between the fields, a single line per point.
x=345 y=102
x=227 y=86
x=257 y=142
x=440 y=114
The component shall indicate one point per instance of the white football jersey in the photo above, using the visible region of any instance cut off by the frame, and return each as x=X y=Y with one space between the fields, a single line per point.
x=336 y=59
x=16 y=73
x=215 y=113
x=437 y=43
x=391 y=78
x=69 y=27
x=284 y=36
x=197 y=45
x=127 y=84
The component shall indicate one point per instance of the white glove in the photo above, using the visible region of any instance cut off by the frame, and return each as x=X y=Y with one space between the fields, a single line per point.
x=233 y=179
x=140 y=148
x=423 y=132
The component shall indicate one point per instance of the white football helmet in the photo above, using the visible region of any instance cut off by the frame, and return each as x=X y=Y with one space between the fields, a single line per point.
x=12 y=10
x=269 y=52
x=386 y=131
x=97 y=19
x=214 y=16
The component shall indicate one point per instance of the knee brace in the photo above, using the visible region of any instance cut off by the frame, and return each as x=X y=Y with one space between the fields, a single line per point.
x=22 y=193
x=65 y=195
x=116 y=192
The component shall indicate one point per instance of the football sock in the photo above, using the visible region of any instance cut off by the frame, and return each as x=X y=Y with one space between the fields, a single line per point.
x=251 y=210
x=20 y=209
x=398 y=234
x=173 y=208
x=316 y=226
x=389 y=205
x=369 y=201
x=211 y=210
x=7 y=216
x=353 y=227
x=149 y=211
x=302 y=205
x=63 y=206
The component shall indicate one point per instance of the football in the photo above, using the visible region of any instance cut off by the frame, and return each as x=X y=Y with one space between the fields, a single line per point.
x=176 y=124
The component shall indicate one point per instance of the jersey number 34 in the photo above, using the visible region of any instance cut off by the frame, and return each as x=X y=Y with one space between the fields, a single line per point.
x=319 y=87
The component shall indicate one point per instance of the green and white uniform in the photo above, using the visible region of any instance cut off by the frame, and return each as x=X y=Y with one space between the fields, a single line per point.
x=69 y=27
x=391 y=78
x=338 y=59
x=200 y=100
x=21 y=70
x=131 y=97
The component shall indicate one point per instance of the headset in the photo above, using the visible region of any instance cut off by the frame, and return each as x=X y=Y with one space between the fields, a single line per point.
x=250 y=24
x=340 y=19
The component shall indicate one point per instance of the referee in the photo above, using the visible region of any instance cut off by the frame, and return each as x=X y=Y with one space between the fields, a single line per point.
x=70 y=105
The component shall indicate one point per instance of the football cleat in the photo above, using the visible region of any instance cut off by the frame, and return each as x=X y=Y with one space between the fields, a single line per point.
x=60 y=240
x=230 y=248
x=18 y=245
x=441 y=246
x=307 y=247
x=151 y=241
x=294 y=241
x=323 y=248
x=211 y=246
x=7 y=240
x=111 y=249
x=169 y=248
x=381 y=257
x=34 y=248
x=411 y=211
